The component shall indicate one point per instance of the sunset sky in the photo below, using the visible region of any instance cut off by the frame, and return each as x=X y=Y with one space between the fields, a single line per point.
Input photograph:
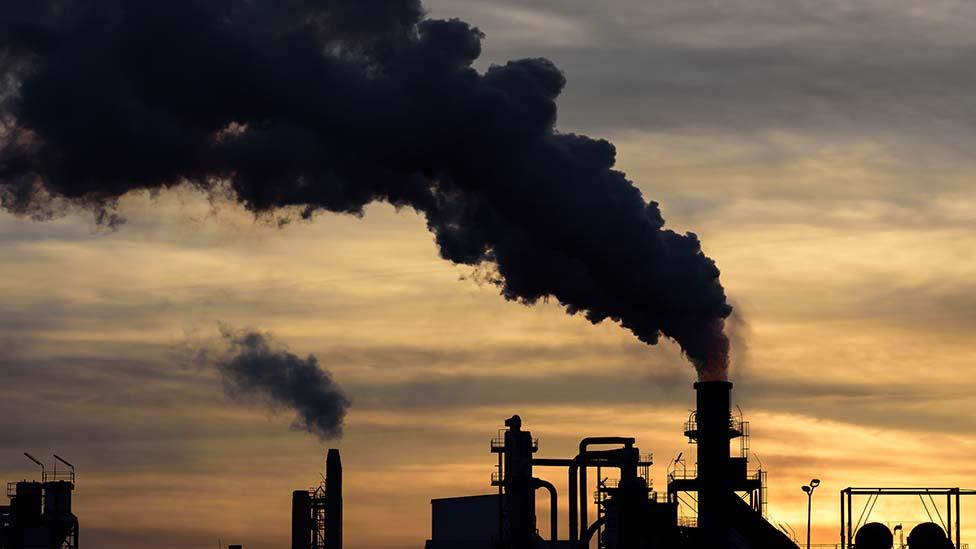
x=822 y=151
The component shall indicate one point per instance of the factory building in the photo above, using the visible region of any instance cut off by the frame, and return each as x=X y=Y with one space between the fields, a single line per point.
x=627 y=513
x=39 y=513
x=717 y=503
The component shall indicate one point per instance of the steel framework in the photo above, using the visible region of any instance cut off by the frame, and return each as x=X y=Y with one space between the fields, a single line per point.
x=952 y=497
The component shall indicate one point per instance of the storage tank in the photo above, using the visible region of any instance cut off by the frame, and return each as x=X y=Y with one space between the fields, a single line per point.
x=57 y=497
x=874 y=535
x=928 y=535
x=26 y=506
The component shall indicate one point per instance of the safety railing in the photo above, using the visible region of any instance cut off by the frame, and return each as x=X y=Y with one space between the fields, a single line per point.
x=59 y=476
x=497 y=478
x=683 y=473
x=498 y=444
x=736 y=424
x=688 y=522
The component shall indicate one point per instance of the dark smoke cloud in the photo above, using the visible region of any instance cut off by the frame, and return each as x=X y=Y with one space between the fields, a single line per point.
x=257 y=368
x=306 y=105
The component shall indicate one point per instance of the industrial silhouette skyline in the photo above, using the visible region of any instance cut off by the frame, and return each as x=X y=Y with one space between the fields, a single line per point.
x=324 y=199
x=722 y=503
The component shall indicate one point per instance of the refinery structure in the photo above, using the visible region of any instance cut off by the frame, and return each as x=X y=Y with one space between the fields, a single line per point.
x=719 y=502
x=716 y=502
x=39 y=514
x=625 y=512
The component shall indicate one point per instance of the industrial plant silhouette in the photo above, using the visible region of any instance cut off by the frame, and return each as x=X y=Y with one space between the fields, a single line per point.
x=719 y=503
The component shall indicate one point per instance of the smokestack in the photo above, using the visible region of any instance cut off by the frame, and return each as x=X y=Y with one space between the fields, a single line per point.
x=301 y=520
x=714 y=419
x=333 y=500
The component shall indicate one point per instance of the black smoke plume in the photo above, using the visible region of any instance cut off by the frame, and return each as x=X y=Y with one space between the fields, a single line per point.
x=309 y=105
x=256 y=368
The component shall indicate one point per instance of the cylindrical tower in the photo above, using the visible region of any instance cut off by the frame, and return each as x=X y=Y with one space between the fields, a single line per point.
x=713 y=426
x=301 y=520
x=333 y=500
x=519 y=487
x=57 y=512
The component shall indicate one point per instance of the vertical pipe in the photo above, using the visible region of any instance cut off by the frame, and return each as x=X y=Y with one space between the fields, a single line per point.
x=501 y=502
x=573 y=519
x=599 y=504
x=553 y=507
x=583 y=517
x=584 y=444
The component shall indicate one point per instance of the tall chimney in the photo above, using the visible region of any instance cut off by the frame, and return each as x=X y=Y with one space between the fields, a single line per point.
x=333 y=500
x=714 y=419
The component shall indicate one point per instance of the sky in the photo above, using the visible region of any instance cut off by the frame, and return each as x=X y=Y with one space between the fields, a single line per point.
x=818 y=149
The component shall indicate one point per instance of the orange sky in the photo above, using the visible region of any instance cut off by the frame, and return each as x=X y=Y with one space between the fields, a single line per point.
x=848 y=253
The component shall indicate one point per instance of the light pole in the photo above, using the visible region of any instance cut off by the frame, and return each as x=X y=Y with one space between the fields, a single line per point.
x=808 y=489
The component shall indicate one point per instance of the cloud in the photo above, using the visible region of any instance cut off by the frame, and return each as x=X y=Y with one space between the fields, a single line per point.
x=869 y=69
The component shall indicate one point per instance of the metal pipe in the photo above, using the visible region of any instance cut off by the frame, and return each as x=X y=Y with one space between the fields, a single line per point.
x=551 y=462
x=553 y=507
x=584 y=519
x=501 y=499
x=583 y=451
x=574 y=465
x=573 y=510
x=589 y=441
x=588 y=534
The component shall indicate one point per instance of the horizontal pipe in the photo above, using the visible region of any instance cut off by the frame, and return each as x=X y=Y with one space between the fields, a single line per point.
x=589 y=441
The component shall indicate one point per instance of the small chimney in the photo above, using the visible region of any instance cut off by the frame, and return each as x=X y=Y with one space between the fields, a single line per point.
x=714 y=423
x=301 y=519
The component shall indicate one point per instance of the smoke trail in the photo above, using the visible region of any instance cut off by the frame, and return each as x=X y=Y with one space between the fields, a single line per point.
x=256 y=368
x=333 y=104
